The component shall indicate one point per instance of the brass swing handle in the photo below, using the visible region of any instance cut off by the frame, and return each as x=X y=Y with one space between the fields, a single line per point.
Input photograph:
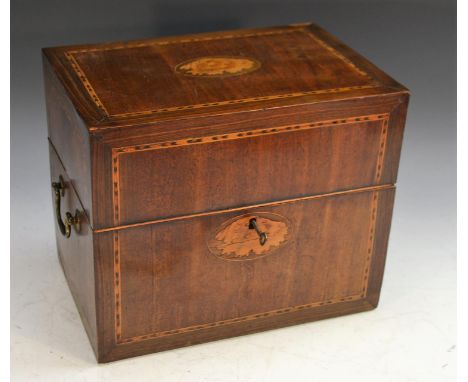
x=70 y=220
x=263 y=236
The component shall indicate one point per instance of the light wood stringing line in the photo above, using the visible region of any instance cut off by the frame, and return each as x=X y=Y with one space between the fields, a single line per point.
x=242 y=208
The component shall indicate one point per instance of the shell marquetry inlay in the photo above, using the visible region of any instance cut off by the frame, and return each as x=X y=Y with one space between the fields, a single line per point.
x=236 y=240
x=217 y=66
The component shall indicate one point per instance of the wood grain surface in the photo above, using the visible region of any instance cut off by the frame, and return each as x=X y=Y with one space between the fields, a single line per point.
x=166 y=283
x=76 y=253
x=171 y=146
x=318 y=158
x=297 y=61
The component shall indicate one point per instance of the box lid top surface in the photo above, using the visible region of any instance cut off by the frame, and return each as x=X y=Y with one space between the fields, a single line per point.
x=127 y=83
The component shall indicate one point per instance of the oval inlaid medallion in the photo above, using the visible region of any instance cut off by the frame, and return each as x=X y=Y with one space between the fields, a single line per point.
x=237 y=239
x=217 y=66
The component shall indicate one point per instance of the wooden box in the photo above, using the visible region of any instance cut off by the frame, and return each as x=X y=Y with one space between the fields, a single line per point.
x=218 y=184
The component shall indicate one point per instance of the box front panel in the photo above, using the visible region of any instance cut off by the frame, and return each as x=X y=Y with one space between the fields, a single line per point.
x=209 y=272
x=194 y=175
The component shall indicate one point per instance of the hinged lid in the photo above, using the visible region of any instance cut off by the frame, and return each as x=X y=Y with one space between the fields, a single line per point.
x=212 y=73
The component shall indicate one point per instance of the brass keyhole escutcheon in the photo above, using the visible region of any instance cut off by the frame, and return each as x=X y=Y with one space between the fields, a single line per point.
x=263 y=236
x=70 y=220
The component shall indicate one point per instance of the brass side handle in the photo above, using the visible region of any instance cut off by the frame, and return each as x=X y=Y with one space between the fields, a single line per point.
x=70 y=220
x=262 y=236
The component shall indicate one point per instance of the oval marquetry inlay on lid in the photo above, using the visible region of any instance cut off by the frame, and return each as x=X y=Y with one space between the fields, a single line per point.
x=237 y=240
x=217 y=66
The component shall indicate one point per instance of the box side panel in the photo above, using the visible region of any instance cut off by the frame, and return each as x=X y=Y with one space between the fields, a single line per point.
x=76 y=252
x=69 y=137
x=104 y=267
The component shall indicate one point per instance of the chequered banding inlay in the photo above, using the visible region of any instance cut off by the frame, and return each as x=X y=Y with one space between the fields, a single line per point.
x=254 y=133
x=120 y=340
x=239 y=135
x=117 y=288
x=370 y=246
x=382 y=146
x=236 y=320
x=99 y=104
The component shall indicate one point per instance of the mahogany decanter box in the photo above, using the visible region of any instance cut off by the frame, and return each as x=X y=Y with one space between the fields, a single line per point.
x=219 y=184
